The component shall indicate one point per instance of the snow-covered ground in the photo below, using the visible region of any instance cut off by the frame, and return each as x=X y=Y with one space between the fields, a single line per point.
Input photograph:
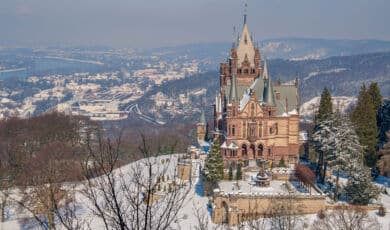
x=308 y=109
x=187 y=218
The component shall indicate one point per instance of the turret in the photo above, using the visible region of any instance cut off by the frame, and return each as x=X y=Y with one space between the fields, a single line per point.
x=201 y=127
x=268 y=93
x=233 y=95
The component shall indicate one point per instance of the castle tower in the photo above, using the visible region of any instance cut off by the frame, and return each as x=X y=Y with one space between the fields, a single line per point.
x=201 y=128
x=254 y=119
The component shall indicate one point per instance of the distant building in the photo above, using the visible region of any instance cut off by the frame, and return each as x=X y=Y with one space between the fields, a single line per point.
x=255 y=119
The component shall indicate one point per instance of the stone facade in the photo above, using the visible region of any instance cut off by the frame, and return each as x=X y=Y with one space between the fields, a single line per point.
x=184 y=169
x=255 y=118
x=233 y=209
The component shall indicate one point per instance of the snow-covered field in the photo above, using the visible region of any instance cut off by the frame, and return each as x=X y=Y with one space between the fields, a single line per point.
x=308 y=109
x=186 y=216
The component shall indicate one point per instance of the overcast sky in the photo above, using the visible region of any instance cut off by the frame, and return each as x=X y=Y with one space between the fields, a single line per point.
x=154 y=23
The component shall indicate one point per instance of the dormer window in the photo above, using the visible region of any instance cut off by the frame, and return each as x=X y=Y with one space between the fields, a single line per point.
x=246 y=40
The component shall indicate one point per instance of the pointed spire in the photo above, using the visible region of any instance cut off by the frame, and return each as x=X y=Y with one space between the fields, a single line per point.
x=268 y=93
x=233 y=90
x=202 y=119
x=265 y=70
x=245 y=42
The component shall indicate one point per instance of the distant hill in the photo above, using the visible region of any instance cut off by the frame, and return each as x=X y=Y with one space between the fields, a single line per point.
x=284 y=48
x=343 y=76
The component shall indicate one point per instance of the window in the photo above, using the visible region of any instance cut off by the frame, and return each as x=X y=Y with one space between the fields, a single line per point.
x=244 y=150
x=252 y=110
x=233 y=130
x=260 y=150
x=269 y=113
x=246 y=71
x=269 y=152
x=244 y=130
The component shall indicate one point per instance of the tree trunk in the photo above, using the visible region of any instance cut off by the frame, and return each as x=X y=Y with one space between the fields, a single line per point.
x=319 y=165
x=3 y=212
x=51 y=220
x=323 y=175
x=336 y=190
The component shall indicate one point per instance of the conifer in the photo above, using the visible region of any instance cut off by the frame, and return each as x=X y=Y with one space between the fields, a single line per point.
x=360 y=188
x=239 y=172
x=214 y=164
x=364 y=120
x=324 y=113
x=230 y=172
x=384 y=122
x=325 y=109
x=376 y=95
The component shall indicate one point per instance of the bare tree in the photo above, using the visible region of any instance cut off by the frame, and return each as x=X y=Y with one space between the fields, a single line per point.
x=286 y=213
x=46 y=194
x=143 y=195
x=347 y=218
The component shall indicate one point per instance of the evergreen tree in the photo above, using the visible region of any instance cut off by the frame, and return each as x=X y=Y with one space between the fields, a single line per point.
x=360 y=188
x=282 y=164
x=364 y=119
x=383 y=122
x=325 y=109
x=323 y=140
x=214 y=164
x=239 y=172
x=324 y=112
x=348 y=153
x=376 y=95
x=230 y=172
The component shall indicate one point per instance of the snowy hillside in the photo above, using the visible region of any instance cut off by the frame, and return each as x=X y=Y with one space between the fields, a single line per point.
x=308 y=108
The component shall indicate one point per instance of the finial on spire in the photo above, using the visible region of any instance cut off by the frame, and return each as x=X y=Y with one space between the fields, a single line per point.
x=245 y=11
x=234 y=36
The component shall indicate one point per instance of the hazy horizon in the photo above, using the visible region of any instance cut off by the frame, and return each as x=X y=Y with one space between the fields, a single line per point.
x=153 y=23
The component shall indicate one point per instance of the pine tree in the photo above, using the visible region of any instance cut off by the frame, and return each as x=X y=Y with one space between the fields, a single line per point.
x=376 y=95
x=214 y=164
x=230 y=172
x=324 y=112
x=325 y=109
x=348 y=153
x=239 y=172
x=282 y=164
x=323 y=140
x=364 y=119
x=360 y=188
x=383 y=122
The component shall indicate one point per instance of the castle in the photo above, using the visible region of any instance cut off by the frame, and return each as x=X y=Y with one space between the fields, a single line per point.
x=255 y=119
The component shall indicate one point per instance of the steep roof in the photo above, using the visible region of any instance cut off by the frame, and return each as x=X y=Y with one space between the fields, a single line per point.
x=245 y=48
x=202 y=119
x=268 y=94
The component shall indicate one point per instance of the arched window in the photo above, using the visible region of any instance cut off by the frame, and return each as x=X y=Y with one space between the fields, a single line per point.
x=252 y=110
x=244 y=150
x=269 y=152
x=260 y=150
x=233 y=130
